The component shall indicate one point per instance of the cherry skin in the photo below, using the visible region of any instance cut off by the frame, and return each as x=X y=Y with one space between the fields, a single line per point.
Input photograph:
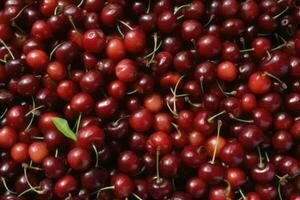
x=123 y=185
x=65 y=185
x=19 y=152
x=37 y=59
x=93 y=41
x=211 y=173
x=259 y=83
x=79 y=159
x=220 y=193
x=159 y=140
x=82 y=102
x=208 y=46
x=38 y=151
x=141 y=120
x=196 y=187
x=135 y=40
x=91 y=135
x=54 y=167
x=236 y=177
x=128 y=162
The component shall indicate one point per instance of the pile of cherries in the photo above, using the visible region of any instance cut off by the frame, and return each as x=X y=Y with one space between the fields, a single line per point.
x=150 y=99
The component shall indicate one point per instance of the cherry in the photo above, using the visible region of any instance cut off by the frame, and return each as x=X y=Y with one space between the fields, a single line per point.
x=54 y=167
x=8 y=137
x=209 y=46
x=251 y=136
x=82 y=102
x=65 y=185
x=79 y=159
x=169 y=165
x=203 y=124
x=128 y=162
x=236 y=177
x=94 y=178
x=123 y=185
x=126 y=70
x=37 y=59
x=220 y=193
x=16 y=117
x=110 y=13
x=232 y=153
x=212 y=173
x=258 y=83
x=66 y=89
x=93 y=41
x=263 y=172
x=91 y=81
x=191 y=29
x=266 y=191
x=90 y=135
x=166 y=22
x=141 y=120
x=159 y=189
x=38 y=151
x=41 y=30
x=196 y=187
x=135 y=40
x=159 y=140
x=19 y=152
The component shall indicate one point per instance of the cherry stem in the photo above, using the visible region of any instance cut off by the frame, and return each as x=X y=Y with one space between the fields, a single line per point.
x=96 y=155
x=228 y=188
x=136 y=196
x=38 y=138
x=281 y=45
x=24 y=165
x=148 y=7
x=28 y=190
x=215 y=116
x=283 y=84
x=173 y=184
x=180 y=7
x=187 y=99
x=29 y=184
x=14 y=24
x=233 y=93
x=6 y=187
x=6 y=47
x=56 y=153
x=121 y=118
x=217 y=142
x=267 y=157
x=242 y=40
x=211 y=18
x=176 y=127
x=231 y=116
x=53 y=51
x=125 y=24
x=260 y=164
x=157 y=165
x=68 y=197
x=20 y=12
x=72 y=23
x=175 y=95
x=279 y=191
x=202 y=84
x=80 y=3
x=132 y=92
x=78 y=122
x=155 y=49
x=242 y=194
x=281 y=13
x=33 y=110
x=120 y=31
x=105 y=188
x=246 y=50
x=2 y=60
x=56 y=10
x=4 y=112
x=32 y=114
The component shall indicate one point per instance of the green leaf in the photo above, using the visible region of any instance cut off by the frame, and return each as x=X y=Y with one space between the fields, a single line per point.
x=63 y=126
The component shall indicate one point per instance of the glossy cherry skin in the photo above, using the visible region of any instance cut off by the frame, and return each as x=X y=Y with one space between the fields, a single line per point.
x=79 y=159
x=94 y=178
x=259 y=83
x=169 y=165
x=208 y=46
x=264 y=173
x=65 y=185
x=159 y=140
x=220 y=193
x=141 y=120
x=54 y=167
x=123 y=185
x=233 y=153
x=202 y=124
x=91 y=135
x=159 y=189
x=251 y=136
x=128 y=162
x=196 y=187
x=211 y=173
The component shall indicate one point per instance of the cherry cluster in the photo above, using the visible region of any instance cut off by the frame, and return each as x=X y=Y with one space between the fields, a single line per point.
x=150 y=99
